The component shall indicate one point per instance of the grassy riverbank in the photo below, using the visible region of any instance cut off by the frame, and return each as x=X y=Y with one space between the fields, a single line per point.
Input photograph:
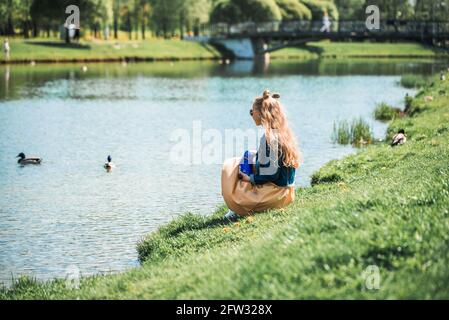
x=383 y=206
x=44 y=50
x=342 y=50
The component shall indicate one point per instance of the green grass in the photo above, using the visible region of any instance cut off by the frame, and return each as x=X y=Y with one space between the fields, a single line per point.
x=327 y=49
x=413 y=81
x=385 y=112
x=155 y=49
x=357 y=133
x=52 y=50
x=383 y=206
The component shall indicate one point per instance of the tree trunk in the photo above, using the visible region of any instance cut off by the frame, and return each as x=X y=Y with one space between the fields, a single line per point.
x=35 y=30
x=115 y=28
x=143 y=30
x=67 y=37
x=25 y=30
x=181 y=25
x=129 y=25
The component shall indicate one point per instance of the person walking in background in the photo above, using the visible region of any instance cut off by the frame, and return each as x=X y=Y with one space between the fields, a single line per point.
x=326 y=23
x=6 y=49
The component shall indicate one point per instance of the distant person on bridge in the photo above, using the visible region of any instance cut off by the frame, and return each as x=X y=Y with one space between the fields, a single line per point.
x=326 y=23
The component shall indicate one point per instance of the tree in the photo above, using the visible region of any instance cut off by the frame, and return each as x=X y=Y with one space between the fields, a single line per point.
x=432 y=10
x=319 y=7
x=233 y=11
x=226 y=11
x=259 y=10
x=115 y=16
x=394 y=9
x=193 y=13
x=293 y=10
x=165 y=16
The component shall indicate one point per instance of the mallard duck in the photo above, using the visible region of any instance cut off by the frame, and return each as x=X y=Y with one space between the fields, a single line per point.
x=109 y=165
x=399 y=138
x=30 y=160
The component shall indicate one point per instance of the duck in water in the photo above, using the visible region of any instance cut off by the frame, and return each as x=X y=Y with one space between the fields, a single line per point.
x=109 y=165
x=30 y=160
x=399 y=138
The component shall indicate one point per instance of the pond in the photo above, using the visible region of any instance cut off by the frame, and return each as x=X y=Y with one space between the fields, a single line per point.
x=70 y=213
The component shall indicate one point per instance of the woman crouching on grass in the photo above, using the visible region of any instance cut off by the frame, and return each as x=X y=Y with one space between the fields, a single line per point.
x=270 y=184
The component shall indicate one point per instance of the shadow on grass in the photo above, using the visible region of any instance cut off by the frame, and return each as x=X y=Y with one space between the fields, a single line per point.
x=208 y=223
x=312 y=49
x=60 y=45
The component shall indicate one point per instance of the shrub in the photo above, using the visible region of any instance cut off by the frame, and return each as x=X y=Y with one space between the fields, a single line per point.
x=319 y=178
x=341 y=133
x=384 y=112
x=361 y=132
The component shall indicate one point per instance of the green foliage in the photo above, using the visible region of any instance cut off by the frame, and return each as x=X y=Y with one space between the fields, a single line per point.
x=361 y=133
x=398 y=9
x=320 y=7
x=258 y=10
x=233 y=11
x=155 y=49
x=293 y=10
x=226 y=11
x=351 y=9
x=358 y=132
x=384 y=112
x=341 y=132
x=382 y=206
x=165 y=16
x=413 y=81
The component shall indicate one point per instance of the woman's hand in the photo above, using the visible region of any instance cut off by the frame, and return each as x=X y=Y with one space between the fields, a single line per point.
x=244 y=177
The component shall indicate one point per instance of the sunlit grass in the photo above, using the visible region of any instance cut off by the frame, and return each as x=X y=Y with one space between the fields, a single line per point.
x=412 y=81
x=358 y=132
x=385 y=112
x=157 y=49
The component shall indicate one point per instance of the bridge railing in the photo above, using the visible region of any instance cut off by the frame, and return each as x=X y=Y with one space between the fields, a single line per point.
x=386 y=26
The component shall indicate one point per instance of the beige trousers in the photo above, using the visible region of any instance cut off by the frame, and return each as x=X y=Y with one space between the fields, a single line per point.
x=244 y=198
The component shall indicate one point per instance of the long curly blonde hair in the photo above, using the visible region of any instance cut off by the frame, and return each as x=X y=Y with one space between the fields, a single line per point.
x=276 y=127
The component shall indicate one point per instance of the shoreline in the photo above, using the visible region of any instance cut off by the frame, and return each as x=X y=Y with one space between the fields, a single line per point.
x=110 y=60
x=199 y=59
x=192 y=251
